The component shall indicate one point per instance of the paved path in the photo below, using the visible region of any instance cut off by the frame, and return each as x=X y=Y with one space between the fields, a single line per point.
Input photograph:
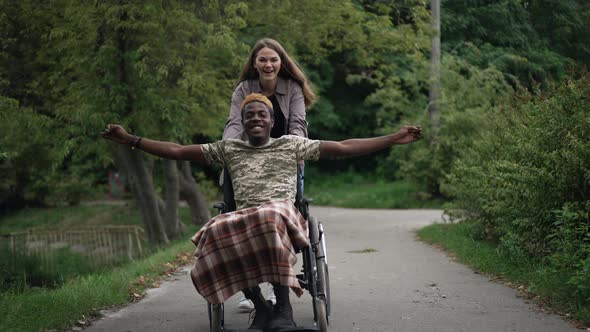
x=405 y=285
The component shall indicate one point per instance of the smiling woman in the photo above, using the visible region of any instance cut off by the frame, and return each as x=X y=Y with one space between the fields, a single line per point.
x=270 y=71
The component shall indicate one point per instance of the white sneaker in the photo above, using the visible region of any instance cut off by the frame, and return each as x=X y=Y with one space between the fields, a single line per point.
x=245 y=305
x=270 y=295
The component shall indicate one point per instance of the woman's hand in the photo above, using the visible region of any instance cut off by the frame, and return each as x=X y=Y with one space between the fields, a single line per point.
x=117 y=134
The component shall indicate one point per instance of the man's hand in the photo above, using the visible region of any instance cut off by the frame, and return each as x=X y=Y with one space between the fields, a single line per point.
x=116 y=134
x=168 y=150
x=408 y=134
x=361 y=146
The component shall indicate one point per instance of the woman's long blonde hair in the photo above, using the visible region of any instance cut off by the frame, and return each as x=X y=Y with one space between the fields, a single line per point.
x=289 y=68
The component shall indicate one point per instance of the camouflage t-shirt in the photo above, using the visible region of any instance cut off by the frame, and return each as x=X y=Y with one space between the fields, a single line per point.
x=262 y=173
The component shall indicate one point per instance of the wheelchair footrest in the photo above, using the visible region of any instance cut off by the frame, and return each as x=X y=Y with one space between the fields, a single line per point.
x=295 y=329
x=280 y=329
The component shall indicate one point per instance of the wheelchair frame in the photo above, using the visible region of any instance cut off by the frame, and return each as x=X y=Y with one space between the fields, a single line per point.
x=314 y=277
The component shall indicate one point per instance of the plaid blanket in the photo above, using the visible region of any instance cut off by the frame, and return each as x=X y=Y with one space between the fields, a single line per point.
x=244 y=248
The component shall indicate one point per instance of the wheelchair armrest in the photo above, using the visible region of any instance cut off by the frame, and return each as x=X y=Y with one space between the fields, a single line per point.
x=302 y=205
x=220 y=206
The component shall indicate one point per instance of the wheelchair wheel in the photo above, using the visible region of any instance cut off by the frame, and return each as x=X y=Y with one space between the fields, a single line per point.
x=321 y=315
x=314 y=236
x=321 y=303
x=324 y=279
x=215 y=317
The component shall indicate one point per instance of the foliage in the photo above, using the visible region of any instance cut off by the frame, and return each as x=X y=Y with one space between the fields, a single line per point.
x=27 y=165
x=570 y=244
x=145 y=65
x=468 y=94
x=137 y=64
x=166 y=69
x=565 y=26
x=527 y=179
x=528 y=40
x=491 y=48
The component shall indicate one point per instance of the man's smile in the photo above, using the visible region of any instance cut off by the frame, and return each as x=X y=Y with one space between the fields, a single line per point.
x=256 y=126
x=256 y=129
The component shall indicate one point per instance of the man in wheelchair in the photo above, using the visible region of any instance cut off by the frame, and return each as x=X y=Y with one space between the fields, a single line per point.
x=237 y=251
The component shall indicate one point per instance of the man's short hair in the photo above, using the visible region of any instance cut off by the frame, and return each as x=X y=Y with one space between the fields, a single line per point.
x=260 y=98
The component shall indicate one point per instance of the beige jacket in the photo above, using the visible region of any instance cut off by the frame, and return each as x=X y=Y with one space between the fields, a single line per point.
x=289 y=96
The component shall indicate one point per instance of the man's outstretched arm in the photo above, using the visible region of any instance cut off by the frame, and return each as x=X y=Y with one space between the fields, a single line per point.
x=361 y=146
x=167 y=150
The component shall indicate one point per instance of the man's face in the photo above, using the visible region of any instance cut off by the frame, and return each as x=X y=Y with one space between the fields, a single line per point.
x=257 y=122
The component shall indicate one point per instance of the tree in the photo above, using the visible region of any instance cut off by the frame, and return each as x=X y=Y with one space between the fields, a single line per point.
x=26 y=169
x=149 y=66
x=564 y=24
x=502 y=33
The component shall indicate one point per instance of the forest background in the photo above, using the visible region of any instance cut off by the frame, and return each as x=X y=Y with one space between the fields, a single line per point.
x=511 y=153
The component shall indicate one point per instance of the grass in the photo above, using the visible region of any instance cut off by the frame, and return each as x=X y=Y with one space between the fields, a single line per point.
x=64 y=263
x=364 y=251
x=537 y=278
x=67 y=217
x=82 y=295
x=353 y=190
x=80 y=298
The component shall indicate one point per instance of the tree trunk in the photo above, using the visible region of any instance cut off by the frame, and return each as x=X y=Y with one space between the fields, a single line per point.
x=173 y=225
x=131 y=163
x=434 y=105
x=181 y=226
x=191 y=192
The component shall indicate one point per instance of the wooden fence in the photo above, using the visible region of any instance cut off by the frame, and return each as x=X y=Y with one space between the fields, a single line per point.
x=100 y=245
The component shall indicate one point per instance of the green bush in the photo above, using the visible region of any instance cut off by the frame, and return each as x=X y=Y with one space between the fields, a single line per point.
x=569 y=241
x=527 y=181
x=468 y=95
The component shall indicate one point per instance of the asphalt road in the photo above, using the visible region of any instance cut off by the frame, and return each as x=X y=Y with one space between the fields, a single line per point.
x=402 y=285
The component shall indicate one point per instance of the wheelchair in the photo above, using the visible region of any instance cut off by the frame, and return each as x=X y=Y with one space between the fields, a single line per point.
x=314 y=275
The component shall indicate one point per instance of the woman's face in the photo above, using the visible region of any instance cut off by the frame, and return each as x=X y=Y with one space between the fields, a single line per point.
x=268 y=64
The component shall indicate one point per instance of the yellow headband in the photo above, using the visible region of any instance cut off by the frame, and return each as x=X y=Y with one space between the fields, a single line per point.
x=256 y=97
